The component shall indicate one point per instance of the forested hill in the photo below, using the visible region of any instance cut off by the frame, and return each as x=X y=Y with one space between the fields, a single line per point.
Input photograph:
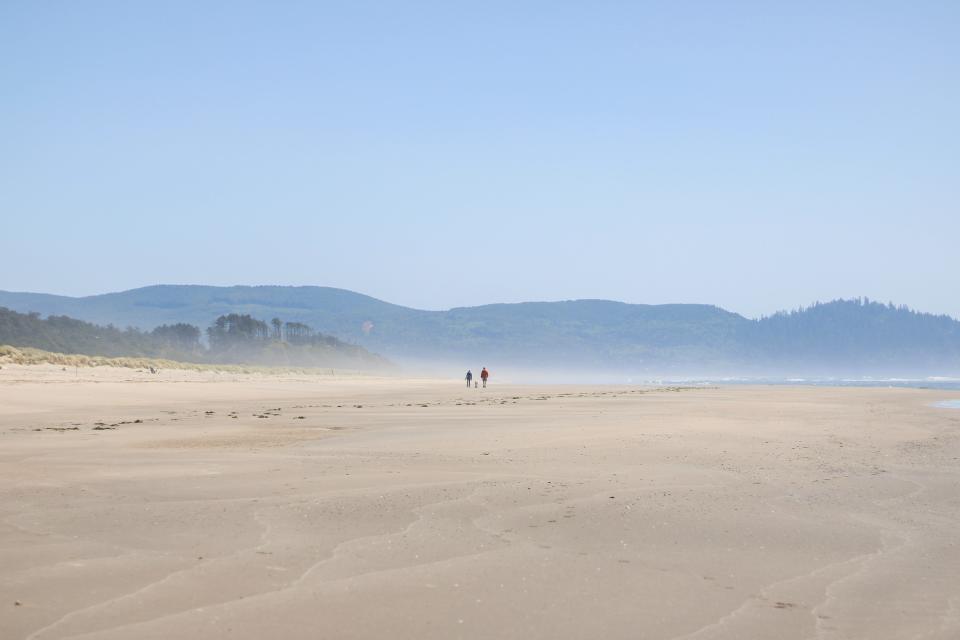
x=840 y=337
x=233 y=338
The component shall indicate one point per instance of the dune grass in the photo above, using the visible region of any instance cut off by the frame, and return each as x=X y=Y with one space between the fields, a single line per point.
x=31 y=356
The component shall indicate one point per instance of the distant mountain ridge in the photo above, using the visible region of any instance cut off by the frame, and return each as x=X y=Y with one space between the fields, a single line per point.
x=846 y=336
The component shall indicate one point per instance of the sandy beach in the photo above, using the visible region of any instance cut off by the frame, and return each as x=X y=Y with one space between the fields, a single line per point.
x=204 y=505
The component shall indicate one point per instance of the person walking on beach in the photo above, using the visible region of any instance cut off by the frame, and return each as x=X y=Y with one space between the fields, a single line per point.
x=469 y=378
x=483 y=376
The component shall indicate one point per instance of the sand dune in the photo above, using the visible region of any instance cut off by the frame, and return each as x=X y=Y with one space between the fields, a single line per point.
x=204 y=505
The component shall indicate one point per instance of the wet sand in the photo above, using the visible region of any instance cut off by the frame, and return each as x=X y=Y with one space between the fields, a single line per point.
x=188 y=505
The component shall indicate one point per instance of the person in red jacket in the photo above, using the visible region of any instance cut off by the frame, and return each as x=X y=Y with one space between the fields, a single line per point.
x=483 y=376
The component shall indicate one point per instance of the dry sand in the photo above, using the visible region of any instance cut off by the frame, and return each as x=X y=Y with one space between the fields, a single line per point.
x=233 y=506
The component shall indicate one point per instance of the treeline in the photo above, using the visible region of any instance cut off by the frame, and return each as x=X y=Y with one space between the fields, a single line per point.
x=856 y=337
x=232 y=338
x=234 y=330
x=858 y=331
x=243 y=338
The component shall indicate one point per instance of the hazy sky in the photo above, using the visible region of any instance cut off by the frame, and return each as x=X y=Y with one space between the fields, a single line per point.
x=754 y=155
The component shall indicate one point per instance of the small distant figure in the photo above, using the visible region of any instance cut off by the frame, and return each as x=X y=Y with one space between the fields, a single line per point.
x=469 y=378
x=483 y=376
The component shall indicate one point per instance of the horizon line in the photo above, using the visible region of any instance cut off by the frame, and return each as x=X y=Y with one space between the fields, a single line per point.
x=862 y=299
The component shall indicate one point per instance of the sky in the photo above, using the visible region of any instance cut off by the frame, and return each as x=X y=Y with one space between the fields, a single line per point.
x=754 y=155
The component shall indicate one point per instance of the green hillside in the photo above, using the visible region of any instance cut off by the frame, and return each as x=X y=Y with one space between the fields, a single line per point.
x=231 y=338
x=856 y=336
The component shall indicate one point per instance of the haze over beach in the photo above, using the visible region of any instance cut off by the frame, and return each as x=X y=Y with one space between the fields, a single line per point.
x=427 y=320
x=566 y=341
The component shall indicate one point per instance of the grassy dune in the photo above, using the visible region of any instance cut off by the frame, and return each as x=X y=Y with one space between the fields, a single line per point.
x=28 y=356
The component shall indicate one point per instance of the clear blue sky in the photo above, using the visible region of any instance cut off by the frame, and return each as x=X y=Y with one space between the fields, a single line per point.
x=754 y=155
